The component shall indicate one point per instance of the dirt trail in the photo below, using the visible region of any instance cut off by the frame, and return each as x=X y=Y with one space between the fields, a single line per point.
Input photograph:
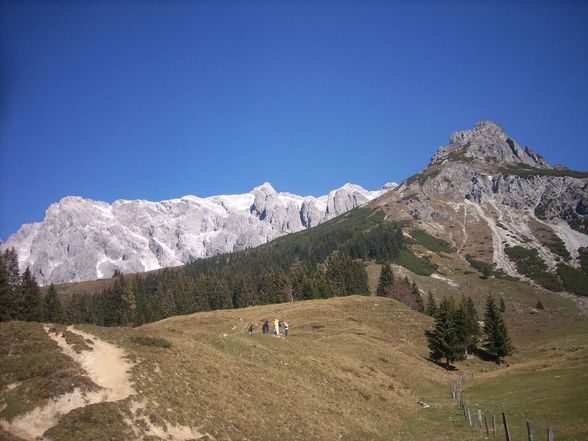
x=105 y=365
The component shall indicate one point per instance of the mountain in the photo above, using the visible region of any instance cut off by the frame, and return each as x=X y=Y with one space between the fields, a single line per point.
x=81 y=239
x=500 y=204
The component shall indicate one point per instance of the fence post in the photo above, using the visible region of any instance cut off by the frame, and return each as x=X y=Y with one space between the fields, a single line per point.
x=469 y=416
x=486 y=424
x=530 y=430
x=494 y=425
x=550 y=434
x=506 y=430
x=480 y=418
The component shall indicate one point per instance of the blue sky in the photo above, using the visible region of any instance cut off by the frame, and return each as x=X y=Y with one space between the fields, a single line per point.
x=154 y=100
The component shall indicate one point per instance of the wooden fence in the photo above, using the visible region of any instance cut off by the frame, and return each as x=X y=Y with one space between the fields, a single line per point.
x=476 y=418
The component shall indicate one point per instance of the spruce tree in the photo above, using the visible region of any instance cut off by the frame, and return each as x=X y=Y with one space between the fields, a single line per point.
x=459 y=322
x=431 y=308
x=502 y=305
x=443 y=341
x=31 y=307
x=472 y=325
x=6 y=297
x=497 y=339
x=11 y=262
x=53 y=309
x=386 y=279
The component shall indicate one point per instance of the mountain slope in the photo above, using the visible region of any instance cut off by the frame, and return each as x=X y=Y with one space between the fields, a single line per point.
x=81 y=239
x=352 y=368
x=500 y=204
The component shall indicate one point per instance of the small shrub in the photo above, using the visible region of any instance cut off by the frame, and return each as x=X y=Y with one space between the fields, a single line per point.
x=531 y=265
x=574 y=280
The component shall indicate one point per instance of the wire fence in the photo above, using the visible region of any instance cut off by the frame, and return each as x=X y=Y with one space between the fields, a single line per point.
x=478 y=419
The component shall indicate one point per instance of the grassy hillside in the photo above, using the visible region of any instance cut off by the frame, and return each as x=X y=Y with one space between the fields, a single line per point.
x=352 y=368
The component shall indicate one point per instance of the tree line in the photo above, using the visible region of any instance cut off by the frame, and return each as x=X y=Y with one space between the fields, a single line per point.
x=325 y=261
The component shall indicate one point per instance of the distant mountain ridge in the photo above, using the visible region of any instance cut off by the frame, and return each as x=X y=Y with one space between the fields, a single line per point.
x=81 y=239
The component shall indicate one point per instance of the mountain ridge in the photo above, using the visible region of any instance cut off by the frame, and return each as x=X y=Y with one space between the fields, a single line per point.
x=82 y=239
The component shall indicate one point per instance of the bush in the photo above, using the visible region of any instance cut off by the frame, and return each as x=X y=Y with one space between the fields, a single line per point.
x=432 y=243
x=574 y=280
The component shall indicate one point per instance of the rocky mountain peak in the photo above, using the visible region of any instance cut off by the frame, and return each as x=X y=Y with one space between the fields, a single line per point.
x=488 y=144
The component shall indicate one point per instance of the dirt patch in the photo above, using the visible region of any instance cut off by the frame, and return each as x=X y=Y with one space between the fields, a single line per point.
x=105 y=365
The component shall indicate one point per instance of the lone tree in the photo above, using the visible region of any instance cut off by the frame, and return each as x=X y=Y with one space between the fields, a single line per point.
x=386 y=279
x=443 y=341
x=497 y=339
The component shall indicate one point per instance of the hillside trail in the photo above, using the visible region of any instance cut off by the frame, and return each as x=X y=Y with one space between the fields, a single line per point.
x=106 y=366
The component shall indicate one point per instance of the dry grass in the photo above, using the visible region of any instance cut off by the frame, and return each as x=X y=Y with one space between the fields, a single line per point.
x=33 y=369
x=352 y=368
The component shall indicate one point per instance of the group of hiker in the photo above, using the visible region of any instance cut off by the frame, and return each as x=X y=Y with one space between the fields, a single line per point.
x=265 y=328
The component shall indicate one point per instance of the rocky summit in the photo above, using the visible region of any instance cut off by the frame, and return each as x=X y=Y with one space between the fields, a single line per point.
x=486 y=195
x=81 y=239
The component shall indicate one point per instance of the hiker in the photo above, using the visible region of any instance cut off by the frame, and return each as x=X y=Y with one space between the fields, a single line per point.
x=250 y=330
x=285 y=324
x=265 y=328
x=276 y=328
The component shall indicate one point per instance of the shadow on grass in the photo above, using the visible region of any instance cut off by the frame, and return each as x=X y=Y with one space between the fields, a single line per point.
x=484 y=355
x=443 y=365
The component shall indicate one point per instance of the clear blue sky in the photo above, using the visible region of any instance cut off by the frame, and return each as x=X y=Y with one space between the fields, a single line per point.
x=154 y=100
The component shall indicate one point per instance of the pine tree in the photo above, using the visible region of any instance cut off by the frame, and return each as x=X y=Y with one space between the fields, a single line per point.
x=502 y=305
x=443 y=341
x=6 y=297
x=386 y=279
x=431 y=308
x=11 y=262
x=31 y=307
x=497 y=339
x=472 y=325
x=459 y=322
x=539 y=305
x=53 y=310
